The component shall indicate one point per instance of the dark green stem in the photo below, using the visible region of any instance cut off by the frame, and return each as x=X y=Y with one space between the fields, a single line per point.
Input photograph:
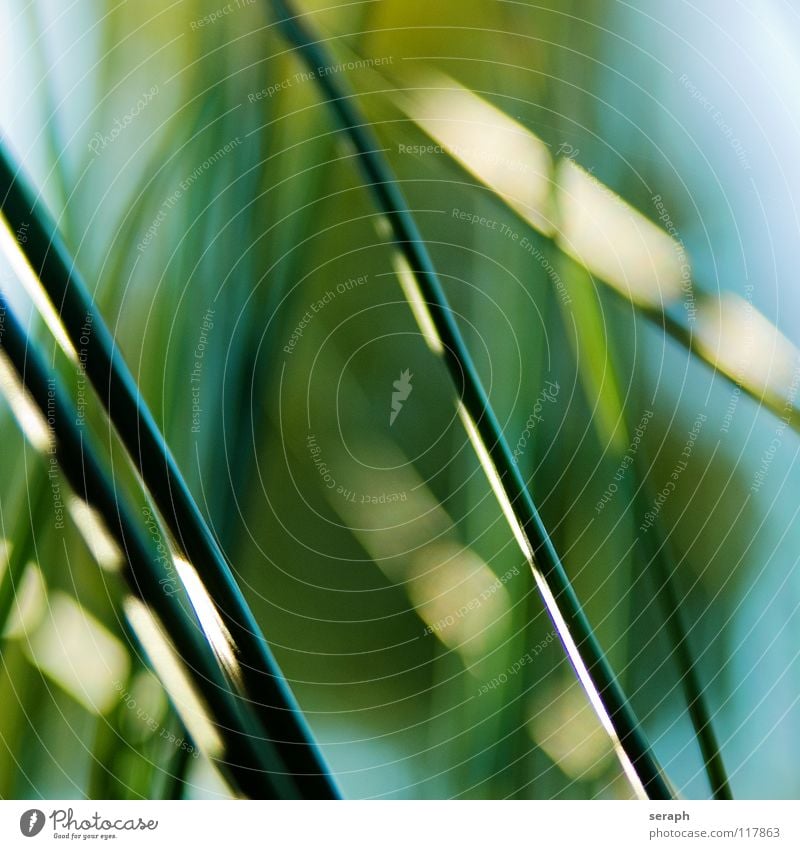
x=178 y=768
x=563 y=605
x=251 y=760
x=658 y=555
x=264 y=682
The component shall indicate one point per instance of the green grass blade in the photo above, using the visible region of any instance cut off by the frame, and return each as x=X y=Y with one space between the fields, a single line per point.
x=657 y=554
x=707 y=325
x=113 y=382
x=562 y=604
x=251 y=759
x=177 y=771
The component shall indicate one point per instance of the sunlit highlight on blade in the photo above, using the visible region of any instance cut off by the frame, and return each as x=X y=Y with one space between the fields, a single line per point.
x=494 y=480
x=30 y=419
x=213 y=627
x=169 y=669
x=614 y=241
x=749 y=349
x=93 y=530
x=30 y=281
x=549 y=600
x=416 y=301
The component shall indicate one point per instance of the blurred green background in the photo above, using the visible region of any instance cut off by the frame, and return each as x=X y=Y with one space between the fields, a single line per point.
x=199 y=182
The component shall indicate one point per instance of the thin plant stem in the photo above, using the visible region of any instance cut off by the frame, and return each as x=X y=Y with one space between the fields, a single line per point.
x=658 y=555
x=263 y=681
x=250 y=759
x=177 y=770
x=562 y=604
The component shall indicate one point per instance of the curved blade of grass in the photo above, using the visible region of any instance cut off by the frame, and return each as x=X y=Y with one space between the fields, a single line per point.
x=436 y=320
x=113 y=382
x=250 y=759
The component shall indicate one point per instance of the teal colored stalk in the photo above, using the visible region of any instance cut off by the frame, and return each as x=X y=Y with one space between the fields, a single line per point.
x=250 y=760
x=264 y=683
x=657 y=549
x=560 y=600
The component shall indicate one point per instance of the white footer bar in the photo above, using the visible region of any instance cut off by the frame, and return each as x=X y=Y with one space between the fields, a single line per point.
x=352 y=825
